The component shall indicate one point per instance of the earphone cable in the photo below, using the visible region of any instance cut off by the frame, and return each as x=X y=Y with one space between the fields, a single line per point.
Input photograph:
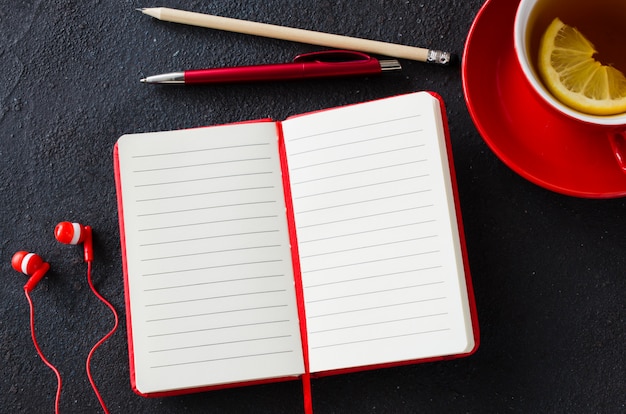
x=104 y=338
x=41 y=355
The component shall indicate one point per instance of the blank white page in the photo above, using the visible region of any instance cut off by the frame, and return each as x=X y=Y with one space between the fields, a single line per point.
x=377 y=234
x=210 y=276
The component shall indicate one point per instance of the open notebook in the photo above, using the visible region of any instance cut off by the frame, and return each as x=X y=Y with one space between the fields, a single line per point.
x=264 y=250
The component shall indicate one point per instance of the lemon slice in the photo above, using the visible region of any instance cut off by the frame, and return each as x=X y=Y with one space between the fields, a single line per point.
x=573 y=76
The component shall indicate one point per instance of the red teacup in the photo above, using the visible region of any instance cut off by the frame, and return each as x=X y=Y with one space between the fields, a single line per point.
x=613 y=126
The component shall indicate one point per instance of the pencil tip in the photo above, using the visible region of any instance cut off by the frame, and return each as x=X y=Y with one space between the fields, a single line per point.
x=140 y=9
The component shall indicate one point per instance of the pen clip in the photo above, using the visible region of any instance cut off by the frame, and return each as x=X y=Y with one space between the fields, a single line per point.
x=333 y=56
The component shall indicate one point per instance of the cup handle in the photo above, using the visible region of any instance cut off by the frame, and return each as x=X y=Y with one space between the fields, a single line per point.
x=618 y=146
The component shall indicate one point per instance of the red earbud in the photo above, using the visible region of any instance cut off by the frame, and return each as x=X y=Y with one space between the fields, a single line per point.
x=75 y=233
x=31 y=265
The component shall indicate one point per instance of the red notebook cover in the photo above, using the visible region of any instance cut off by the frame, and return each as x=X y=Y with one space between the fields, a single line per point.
x=298 y=282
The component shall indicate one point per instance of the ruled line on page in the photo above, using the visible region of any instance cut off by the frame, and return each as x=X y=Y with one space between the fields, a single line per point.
x=204 y=164
x=365 y=325
x=345 y=144
x=374 y=276
x=198 y=179
x=205 y=361
x=204 y=193
x=203 y=268
x=369 y=246
x=353 y=127
x=363 y=202
x=369 y=155
x=196 y=150
x=183 y=348
x=373 y=230
x=381 y=338
x=235 y=295
x=187 y=210
x=329 y=177
x=368 y=262
x=213 y=282
x=201 y=223
x=217 y=236
x=197 y=315
x=243 y=325
x=358 y=187
x=370 y=308
x=382 y=213
x=203 y=253
x=374 y=292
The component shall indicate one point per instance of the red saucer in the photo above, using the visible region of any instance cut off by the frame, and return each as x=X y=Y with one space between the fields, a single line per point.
x=551 y=151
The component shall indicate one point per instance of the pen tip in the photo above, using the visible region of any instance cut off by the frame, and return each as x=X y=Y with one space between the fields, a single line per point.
x=143 y=80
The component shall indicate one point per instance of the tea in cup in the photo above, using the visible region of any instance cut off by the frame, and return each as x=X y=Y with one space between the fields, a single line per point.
x=544 y=30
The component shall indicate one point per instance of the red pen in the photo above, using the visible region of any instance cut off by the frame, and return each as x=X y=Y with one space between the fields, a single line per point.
x=333 y=63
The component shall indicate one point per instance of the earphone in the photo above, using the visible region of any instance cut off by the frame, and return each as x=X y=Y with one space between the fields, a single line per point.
x=75 y=233
x=32 y=265
x=35 y=267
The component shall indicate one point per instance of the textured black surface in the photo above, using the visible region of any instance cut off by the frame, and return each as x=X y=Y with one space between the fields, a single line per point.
x=548 y=270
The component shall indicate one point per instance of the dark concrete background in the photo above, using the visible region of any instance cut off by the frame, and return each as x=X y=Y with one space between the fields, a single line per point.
x=549 y=270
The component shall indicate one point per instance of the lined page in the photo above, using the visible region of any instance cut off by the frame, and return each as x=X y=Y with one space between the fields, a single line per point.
x=210 y=276
x=377 y=235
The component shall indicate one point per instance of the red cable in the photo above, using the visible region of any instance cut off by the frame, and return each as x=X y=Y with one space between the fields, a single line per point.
x=52 y=367
x=104 y=338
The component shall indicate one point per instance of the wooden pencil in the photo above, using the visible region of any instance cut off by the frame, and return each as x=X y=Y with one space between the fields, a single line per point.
x=298 y=35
